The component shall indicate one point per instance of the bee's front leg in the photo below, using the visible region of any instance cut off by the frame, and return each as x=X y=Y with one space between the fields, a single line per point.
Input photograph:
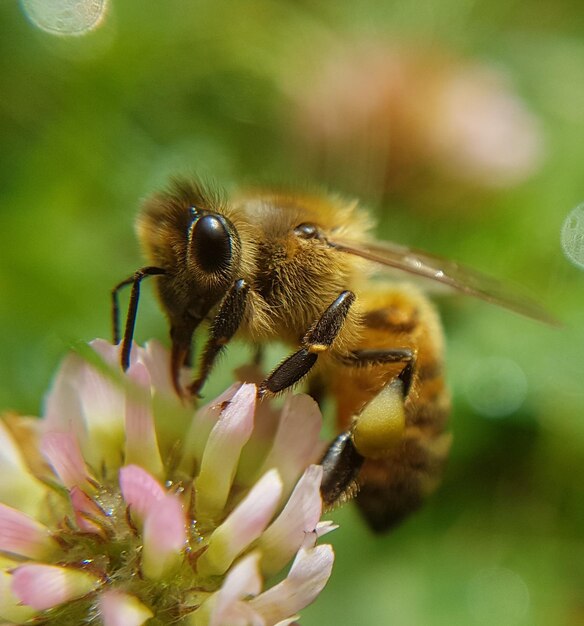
x=223 y=327
x=317 y=340
x=135 y=280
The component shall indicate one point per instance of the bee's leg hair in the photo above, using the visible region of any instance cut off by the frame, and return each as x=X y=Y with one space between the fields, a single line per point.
x=135 y=279
x=341 y=464
x=223 y=327
x=318 y=339
x=375 y=357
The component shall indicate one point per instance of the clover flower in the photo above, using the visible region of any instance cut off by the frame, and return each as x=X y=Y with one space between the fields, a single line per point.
x=121 y=507
x=423 y=122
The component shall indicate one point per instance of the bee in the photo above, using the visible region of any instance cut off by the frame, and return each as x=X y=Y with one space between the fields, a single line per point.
x=302 y=268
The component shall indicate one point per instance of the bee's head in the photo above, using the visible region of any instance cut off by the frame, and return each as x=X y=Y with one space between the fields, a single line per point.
x=185 y=231
x=213 y=249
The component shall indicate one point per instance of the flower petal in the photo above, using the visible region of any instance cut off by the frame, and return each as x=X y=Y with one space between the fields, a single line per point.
x=45 y=586
x=102 y=405
x=86 y=511
x=10 y=606
x=201 y=425
x=157 y=360
x=110 y=353
x=62 y=405
x=243 y=580
x=62 y=451
x=280 y=542
x=21 y=535
x=244 y=525
x=325 y=527
x=296 y=443
x=141 y=442
x=141 y=491
x=307 y=577
x=122 y=609
x=18 y=487
x=164 y=537
x=222 y=452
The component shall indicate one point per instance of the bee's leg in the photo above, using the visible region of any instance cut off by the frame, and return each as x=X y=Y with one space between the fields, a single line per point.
x=377 y=428
x=406 y=356
x=223 y=327
x=318 y=339
x=341 y=465
x=403 y=442
x=135 y=281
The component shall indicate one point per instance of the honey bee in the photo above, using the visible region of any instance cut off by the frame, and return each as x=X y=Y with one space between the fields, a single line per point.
x=300 y=268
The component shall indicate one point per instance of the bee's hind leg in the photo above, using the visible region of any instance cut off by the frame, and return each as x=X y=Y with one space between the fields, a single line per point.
x=341 y=465
x=374 y=433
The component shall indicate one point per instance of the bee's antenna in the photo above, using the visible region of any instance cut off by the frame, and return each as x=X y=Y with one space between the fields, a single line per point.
x=135 y=281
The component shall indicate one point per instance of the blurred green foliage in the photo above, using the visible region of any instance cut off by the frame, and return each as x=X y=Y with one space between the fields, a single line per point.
x=89 y=125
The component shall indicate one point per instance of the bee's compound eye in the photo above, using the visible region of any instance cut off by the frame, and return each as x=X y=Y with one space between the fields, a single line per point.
x=211 y=243
x=306 y=230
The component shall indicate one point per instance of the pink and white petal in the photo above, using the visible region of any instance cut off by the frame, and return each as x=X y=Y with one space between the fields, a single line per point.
x=242 y=580
x=240 y=614
x=296 y=444
x=307 y=577
x=45 y=586
x=201 y=425
x=122 y=609
x=156 y=358
x=109 y=352
x=325 y=527
x=141 y=491
x=10 y=606
x=18 y=487
x=243 y=525
x=21 y=535
x=62 y=451
x=291 y=621
x=284 y=537
x=62 y=405
x=164 y=537
x=102 y=405
x=255 y=451
x=86 y=511
x=222 y=451
x=141 y=441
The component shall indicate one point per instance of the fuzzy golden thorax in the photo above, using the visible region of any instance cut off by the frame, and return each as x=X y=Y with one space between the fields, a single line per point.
x=292 y=279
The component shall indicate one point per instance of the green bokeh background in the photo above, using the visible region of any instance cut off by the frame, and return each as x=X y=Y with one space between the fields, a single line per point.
x=90 y=125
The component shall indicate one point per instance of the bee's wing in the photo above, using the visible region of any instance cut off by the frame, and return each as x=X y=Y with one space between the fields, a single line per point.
x=446 y=272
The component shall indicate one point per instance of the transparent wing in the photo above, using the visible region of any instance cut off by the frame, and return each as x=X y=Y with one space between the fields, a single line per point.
x=446 y=272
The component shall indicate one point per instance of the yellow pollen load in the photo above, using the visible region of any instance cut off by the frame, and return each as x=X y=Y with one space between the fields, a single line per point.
x=380 y=426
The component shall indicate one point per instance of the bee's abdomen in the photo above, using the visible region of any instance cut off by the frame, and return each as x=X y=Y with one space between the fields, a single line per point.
x=393 y=486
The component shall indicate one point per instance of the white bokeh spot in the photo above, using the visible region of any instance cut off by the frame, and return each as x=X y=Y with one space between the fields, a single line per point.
x=572 y=236
x=65 y=17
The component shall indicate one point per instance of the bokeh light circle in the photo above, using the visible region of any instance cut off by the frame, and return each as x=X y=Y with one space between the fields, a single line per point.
x=572 y=236
x=495 y=386
x=65 y=17
x=498 y=595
